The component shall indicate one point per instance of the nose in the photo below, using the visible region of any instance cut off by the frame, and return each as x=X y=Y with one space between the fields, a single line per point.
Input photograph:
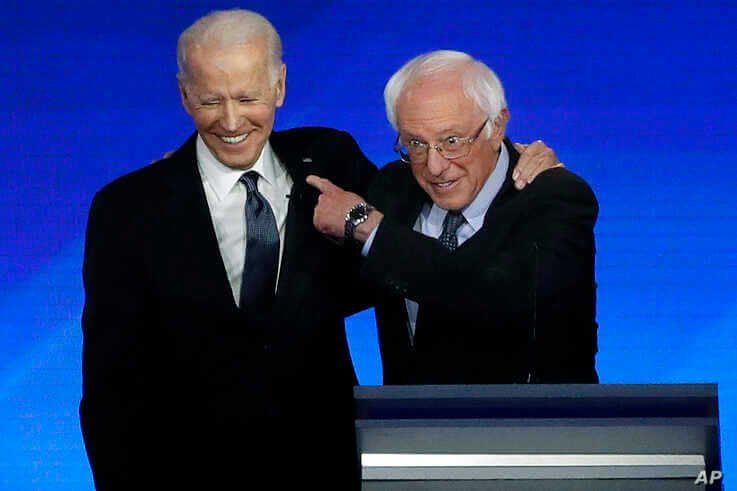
x=436 y=163
x=231 y=118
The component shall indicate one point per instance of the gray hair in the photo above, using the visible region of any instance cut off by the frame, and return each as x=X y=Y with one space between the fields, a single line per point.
x=227 y=28
x=480 y=83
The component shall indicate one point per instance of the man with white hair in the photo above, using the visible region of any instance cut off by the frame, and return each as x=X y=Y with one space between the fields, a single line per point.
x=479 y=282
x=214 y=341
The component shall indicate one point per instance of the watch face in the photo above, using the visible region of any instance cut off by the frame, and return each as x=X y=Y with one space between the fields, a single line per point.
x=358 y=212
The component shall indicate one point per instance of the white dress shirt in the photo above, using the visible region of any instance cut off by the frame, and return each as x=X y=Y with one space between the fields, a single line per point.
x=226 y=199
x=430 y=220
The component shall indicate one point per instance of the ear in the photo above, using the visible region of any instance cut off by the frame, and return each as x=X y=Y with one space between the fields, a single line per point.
x=281 y=86
x=186 y=102
x=499 y=127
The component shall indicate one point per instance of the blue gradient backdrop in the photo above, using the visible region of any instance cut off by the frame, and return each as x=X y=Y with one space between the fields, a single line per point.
x=637 y=97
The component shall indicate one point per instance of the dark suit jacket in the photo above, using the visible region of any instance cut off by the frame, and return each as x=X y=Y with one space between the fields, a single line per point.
x=514 y=303
x=180 y=386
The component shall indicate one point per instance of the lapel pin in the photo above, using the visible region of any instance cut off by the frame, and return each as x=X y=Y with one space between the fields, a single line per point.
x=306 y=160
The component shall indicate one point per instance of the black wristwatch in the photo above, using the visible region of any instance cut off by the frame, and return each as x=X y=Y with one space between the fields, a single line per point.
x=355 y=217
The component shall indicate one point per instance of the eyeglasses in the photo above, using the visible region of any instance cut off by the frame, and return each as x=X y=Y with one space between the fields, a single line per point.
x=452 y=147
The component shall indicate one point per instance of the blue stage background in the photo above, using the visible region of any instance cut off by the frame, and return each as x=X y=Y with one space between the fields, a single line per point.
x=637 y=97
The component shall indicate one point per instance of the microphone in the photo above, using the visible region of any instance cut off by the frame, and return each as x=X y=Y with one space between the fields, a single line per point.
x=295 y=194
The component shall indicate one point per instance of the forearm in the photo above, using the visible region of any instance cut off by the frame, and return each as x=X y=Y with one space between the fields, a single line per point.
x=405 y=263
x=547 y=252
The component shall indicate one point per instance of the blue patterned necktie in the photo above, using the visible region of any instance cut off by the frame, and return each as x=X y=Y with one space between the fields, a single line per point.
x=262 y=250
x=448 y=237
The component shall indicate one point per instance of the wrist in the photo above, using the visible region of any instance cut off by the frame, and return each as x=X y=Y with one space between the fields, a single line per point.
x=363 y=230
x=355 y=216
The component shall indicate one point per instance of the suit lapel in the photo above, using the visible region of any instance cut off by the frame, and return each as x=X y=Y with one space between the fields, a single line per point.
x=508 y=190
x=298 y=163
x=192 y=233
x=495 y=225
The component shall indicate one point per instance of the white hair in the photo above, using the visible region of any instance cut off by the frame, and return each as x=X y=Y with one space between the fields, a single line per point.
x=227 y=28
x=480 y=83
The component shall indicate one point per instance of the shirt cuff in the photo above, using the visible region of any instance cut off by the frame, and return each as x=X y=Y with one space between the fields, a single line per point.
x=367 y=245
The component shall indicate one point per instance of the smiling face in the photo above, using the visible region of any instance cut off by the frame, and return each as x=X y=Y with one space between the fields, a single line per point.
x=232 y=99
x=434 y=108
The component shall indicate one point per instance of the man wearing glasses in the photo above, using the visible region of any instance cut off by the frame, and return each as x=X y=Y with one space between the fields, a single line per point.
x=478 y=282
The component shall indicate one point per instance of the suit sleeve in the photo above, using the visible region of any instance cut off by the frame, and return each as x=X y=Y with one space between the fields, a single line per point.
x=114 y=402
x=549 y=251
x=363 y=170
x=356 y=295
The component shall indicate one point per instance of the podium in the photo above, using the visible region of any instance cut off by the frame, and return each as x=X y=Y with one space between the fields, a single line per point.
x=538 y=437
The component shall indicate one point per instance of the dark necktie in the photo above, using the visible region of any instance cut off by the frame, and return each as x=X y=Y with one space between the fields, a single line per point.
x=262 y=250
x=448 y=237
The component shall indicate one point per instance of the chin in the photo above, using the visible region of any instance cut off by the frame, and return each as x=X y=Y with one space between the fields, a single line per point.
x=239 y=161
x=233 y=163
x=450 y=202
x=451 y=199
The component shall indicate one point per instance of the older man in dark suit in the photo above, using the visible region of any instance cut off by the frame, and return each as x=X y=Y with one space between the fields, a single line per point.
x=214 y=343
x=479 y=282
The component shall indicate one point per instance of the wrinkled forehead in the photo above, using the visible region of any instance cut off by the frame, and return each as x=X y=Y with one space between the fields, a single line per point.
x=429 y=88
x=431 y=98
x=212 y=55
x=210 y=51
x=443 y=82
x=247 y=62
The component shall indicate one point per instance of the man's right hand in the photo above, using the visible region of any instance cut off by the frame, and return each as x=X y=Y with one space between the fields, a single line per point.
x=534 y=158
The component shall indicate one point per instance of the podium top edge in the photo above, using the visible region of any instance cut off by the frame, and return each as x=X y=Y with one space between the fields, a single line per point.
x=640 y=391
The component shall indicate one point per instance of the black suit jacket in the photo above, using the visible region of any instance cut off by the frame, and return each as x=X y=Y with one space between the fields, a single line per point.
x=514 y=303
x=180 y=386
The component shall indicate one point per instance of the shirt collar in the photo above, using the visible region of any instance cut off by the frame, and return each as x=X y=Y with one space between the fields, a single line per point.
x=222 y=178
x=475 y=212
